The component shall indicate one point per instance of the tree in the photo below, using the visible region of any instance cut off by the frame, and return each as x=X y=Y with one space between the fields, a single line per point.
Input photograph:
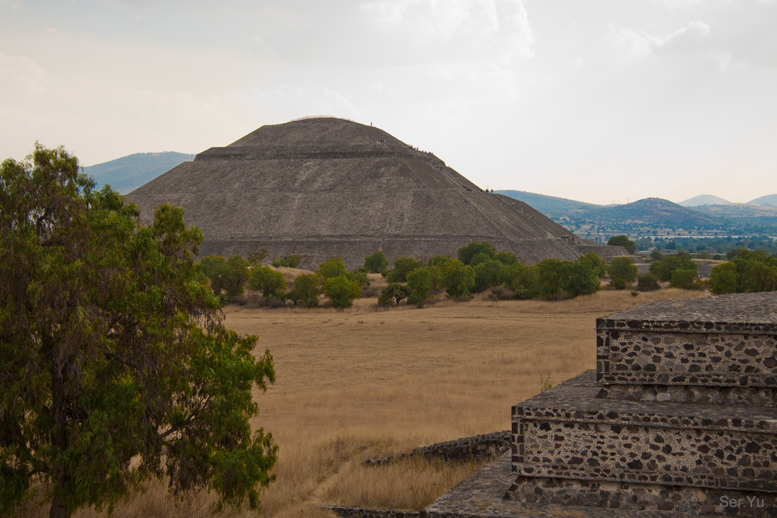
x=684 y=279
x=420 y=282
x=585 y=273
x=403 y=266
x=487 y=275
x=376 y=263
x=290 y=261
x=622 y=272
x=523 y=280
x=112 y=350
x=226 y=277
x=437 y=260
x=554 y=276
x=656 y=254
x=341 y=291
x=648 y=282
x=506 y=258
x=623 y=241
x=334 y=267
x=466 y=253
x=663 y=269
x=457 y=278
x=394 y=292
x=305 y=292
x=272 y=284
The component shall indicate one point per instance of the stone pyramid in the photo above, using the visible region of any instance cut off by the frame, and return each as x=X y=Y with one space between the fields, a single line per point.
x=326 y=187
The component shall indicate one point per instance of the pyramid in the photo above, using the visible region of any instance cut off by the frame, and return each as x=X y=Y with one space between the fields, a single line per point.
x=327 y=187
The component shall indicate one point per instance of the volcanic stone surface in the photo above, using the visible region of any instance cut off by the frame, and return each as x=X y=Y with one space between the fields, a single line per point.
x=327 y=187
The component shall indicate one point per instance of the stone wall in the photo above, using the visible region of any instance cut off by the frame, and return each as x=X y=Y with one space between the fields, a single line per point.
x=477 y=447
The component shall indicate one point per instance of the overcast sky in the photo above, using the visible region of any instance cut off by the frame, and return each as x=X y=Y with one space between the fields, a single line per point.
x=597 y=100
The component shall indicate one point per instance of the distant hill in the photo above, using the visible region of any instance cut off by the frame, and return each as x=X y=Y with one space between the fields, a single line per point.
x=704 y=199
x=769 y=199
x=650 y=212
x=130 y=172
x=742 y=212
x=551 y=206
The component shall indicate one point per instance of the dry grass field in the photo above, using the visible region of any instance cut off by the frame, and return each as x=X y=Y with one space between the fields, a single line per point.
x=369 y=382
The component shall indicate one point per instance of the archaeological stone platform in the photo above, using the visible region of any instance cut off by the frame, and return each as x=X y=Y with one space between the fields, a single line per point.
x=678 y=416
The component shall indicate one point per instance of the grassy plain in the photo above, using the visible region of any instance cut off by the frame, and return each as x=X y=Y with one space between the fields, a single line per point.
x=369 y=382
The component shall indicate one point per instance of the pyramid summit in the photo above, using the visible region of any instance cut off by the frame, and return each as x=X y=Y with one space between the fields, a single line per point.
x=326 y=187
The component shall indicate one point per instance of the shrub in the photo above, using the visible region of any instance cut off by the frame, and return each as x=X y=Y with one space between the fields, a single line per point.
x=555 y=275
x=437 y=260
x=290 y=261
x=467 y=253
x=622 y=272
x=305 y=290
x=685 y=279
x=623 y=241
x=419 y=281
x=506 y=258
x=403 y=266
x=359 y=277
x=272 y=284
x=585 y=273
x=334 y=267
x=341 y=291
x=648 y=282
x=376 y=263
x=523 y=280
x=457 y=278
x=394 y=292
x=663 y=269
x=226 y=277
x=487 y=274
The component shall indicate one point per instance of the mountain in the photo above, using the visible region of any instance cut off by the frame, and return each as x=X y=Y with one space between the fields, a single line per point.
x=770 y=199
x=130 y=172
x=551 y=206
x=650 y=212
x=327 y=187
x=742 y=212
x=704 y=199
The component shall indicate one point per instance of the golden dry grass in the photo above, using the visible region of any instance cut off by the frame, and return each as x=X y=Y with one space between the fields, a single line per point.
x=369 y=382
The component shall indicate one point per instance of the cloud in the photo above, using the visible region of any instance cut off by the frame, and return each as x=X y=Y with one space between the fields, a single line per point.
x=635 y=44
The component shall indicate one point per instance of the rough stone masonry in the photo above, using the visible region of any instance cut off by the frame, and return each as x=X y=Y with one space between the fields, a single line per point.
x=679 y=415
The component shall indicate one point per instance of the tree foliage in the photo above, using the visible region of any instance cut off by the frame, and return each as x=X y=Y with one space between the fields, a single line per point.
x=648 y=282
x=271 y=283
x=488 y=274
x=394 y=292
x=112 y=349
x=376 y=263
x=228 y=277
x=334 y=267
x=420 y=282
x=467 y=253
x=623 y=241
x=749 y=271
x=457 y=278
x=403 y=266
x=290 y=261
x=623 y=272
x=306 y=290
x=341 y=291
x=664 y=268
x=523 y=280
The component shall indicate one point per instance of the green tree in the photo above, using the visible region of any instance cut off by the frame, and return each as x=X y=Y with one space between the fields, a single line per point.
x=306 y=290
x=723 y=279
x=622 y=272
x=272 y=284
x=466 y=253
x=403 y=266
x=523 y=280
x=648 y=282
x=395 y=292
x=488 y=274
x=506 y=258
x=684 y=279
x=420 y=282
x=656 y=254
x=437 y=260
x=115 y=363
x=334 y=267
x=585 y=273
x=457 y=278
x=341 y=291
x=376 y=263
x=359 y=277
x=226 y=277
x=663 y=269
x=554 y=276
x=623 y=241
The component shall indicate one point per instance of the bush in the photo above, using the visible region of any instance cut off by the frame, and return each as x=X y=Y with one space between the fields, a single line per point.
x=585 y=273
x=332 y=268
x=341 y=291
x=359 y=277
x=438 y=260
x=487 y=274
x=272 y=284
x=467 y=253
x=305 y=290
x=290 y=261
x=457 y=278
x=394 y=292
x=685 y=279
x=622 y=272
x=663 y=269
x=623 y=241
x=648 y=282
x=419 y=281
x=226 y=277
x=750 y=271
x=376 y=263
x=403 y=266
x=506 y=258
x=523 y=280
x=555 y=275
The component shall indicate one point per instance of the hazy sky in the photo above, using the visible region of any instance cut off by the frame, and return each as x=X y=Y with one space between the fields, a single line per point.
x=597 y=100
